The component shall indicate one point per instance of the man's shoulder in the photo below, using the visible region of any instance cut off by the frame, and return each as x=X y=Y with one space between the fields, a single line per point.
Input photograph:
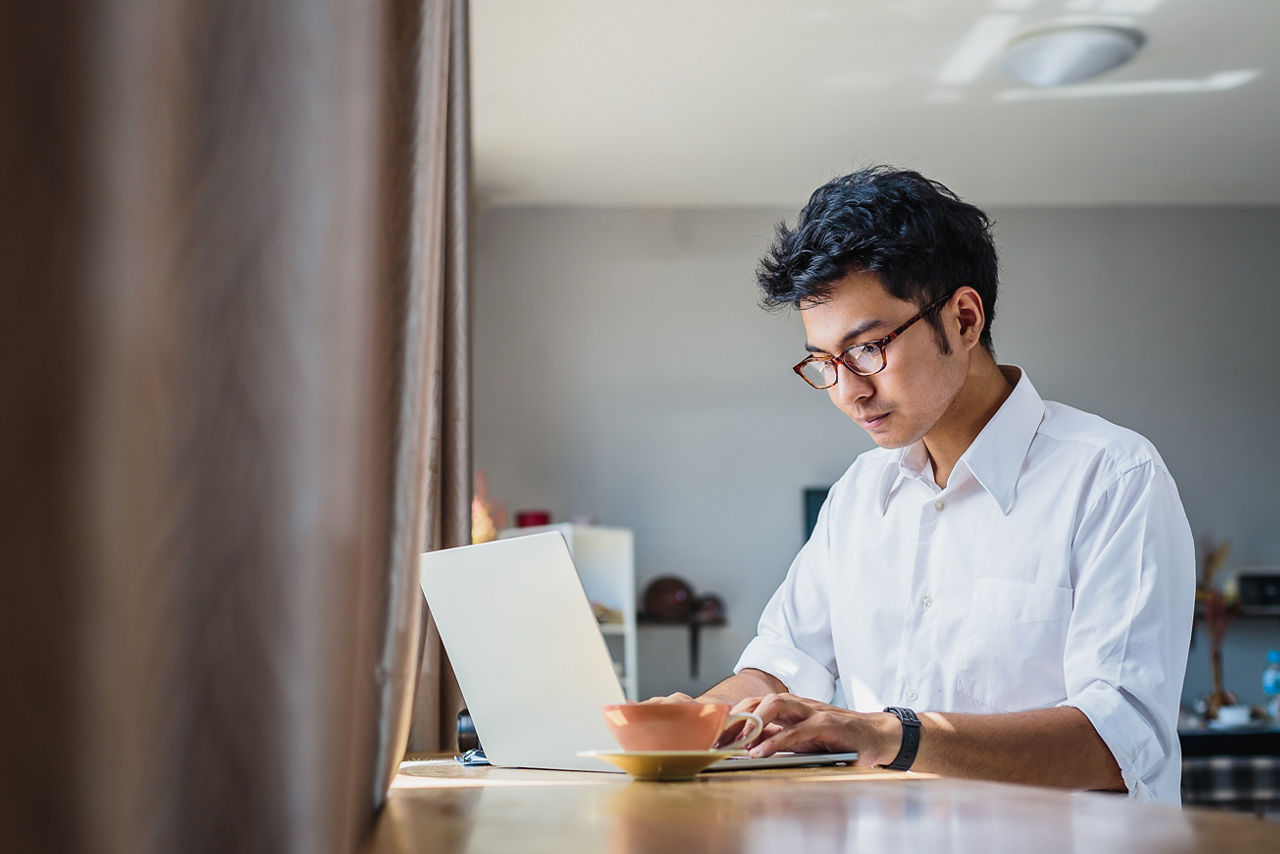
x=868 y=470
x=874 y=460
x=1086 y=435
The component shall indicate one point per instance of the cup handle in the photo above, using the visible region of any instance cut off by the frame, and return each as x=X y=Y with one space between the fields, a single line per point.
x=749 y=732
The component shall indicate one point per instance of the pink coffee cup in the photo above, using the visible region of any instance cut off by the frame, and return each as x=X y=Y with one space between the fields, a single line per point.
x=677 y=726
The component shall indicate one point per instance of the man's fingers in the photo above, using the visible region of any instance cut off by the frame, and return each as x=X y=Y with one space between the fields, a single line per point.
x=800 y=725
x=797 y=739
x=784 y=708
x=790 y=738
x=819 y=731
x=731 y=734
x=677 y=697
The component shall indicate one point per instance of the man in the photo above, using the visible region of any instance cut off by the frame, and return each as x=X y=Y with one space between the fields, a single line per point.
x=1019 y=571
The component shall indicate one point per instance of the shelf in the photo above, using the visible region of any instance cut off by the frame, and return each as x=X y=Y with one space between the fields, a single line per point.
x=693 y=623
x=613 y=628
x=1246 y=611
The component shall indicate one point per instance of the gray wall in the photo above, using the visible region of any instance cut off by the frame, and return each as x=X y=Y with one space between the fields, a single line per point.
x=624 y=372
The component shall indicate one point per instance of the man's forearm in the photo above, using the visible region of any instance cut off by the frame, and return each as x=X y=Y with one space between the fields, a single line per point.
x=747 y=683
x=1048 y=747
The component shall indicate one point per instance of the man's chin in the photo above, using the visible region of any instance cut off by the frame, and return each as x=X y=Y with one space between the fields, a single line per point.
x=889 y=442
x=889 y=439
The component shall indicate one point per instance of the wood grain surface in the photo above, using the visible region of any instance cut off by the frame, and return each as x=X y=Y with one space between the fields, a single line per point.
x=443 y=807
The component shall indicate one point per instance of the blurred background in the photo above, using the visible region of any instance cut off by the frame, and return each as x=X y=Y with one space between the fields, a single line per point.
x=632 y=160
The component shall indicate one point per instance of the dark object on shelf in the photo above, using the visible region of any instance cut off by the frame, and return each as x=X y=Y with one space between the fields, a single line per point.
x=709 y=609
x=1258 y=589
x=530 y=518
x=668 y=599
x=1252 y=740
x=695 y=622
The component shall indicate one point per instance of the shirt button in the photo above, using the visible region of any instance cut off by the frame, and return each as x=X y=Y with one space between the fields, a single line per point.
x=910 y=696
x=926 y=600
x=938 y=505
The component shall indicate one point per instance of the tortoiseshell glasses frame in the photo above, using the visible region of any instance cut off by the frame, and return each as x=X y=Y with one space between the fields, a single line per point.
x=862 y=359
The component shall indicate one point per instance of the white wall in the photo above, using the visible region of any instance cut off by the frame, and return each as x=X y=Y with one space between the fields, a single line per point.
x=624 y=371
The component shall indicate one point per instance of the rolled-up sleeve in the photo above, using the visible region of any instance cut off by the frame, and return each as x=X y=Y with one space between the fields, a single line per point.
x=1126 y=651
x=793 y=638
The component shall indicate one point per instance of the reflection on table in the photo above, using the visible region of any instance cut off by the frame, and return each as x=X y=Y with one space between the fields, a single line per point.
x=439 y=806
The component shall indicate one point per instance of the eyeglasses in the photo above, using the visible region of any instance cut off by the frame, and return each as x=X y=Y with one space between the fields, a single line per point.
x=863 y=359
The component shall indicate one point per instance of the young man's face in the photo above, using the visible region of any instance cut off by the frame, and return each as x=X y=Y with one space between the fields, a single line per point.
x=902 y=403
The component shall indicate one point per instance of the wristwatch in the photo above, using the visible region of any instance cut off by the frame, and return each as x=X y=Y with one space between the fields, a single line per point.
x=910 y=738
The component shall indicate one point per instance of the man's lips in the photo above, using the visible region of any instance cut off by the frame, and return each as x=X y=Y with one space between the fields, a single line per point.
x=873 y=421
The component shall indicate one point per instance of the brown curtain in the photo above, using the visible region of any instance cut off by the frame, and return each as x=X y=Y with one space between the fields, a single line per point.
x=428 y=187
x=444 y=191
x=233 y=315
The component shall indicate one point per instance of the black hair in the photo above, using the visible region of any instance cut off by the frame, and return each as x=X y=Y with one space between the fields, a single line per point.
x=917 y=236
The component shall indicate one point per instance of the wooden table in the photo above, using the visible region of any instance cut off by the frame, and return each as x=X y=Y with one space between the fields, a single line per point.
x=440 y=806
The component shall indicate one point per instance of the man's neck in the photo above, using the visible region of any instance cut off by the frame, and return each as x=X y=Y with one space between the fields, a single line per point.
x=986 y=388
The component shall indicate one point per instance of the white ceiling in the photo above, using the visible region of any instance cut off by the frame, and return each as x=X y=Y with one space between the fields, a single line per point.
x=753 y=103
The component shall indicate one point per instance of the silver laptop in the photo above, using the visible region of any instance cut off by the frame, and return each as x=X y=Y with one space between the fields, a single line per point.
x=528 y=653
x=526 y=649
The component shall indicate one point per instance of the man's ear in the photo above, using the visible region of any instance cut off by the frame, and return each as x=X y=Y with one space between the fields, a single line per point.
x=971 y=315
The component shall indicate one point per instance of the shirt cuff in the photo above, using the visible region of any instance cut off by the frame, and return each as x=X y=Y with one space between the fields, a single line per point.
x=803 y=676
x=1128 y=735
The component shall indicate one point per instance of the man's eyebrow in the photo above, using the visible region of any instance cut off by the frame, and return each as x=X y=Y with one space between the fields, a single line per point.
x=856 y=332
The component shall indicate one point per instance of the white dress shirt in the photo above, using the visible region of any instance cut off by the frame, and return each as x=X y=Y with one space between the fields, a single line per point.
x=1057 y=568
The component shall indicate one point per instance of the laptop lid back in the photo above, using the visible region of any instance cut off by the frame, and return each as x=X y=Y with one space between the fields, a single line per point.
x=526 y=649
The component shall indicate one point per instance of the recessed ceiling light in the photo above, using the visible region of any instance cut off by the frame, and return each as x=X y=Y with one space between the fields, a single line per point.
x=1060 y=55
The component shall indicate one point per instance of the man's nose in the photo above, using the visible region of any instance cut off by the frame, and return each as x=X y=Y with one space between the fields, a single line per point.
x=850 y=387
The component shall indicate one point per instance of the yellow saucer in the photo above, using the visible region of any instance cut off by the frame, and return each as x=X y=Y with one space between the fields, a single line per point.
x=661 y=764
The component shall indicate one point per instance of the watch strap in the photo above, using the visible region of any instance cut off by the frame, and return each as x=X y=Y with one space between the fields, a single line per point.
x=910 y=738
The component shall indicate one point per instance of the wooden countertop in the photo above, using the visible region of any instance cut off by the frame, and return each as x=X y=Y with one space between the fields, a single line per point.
x=440 y=806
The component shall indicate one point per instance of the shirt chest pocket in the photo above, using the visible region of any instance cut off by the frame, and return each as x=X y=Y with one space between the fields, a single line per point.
x=1011 y=651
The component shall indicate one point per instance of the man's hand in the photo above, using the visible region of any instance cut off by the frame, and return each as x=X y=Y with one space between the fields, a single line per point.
x=677 y=697
x=807 y=726
x=748 y=683
x=1044 y=747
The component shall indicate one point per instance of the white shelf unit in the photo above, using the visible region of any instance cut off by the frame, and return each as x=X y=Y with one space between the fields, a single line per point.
x=605 y=558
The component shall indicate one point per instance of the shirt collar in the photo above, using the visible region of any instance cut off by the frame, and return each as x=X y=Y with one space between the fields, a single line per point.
x=995 y=456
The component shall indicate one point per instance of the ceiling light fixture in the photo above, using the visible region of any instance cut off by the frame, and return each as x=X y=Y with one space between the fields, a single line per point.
x=1057 y=56
x=1219 y=82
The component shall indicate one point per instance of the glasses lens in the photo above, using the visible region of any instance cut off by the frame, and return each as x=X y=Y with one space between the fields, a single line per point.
x=819 y=374
x=864 y=359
